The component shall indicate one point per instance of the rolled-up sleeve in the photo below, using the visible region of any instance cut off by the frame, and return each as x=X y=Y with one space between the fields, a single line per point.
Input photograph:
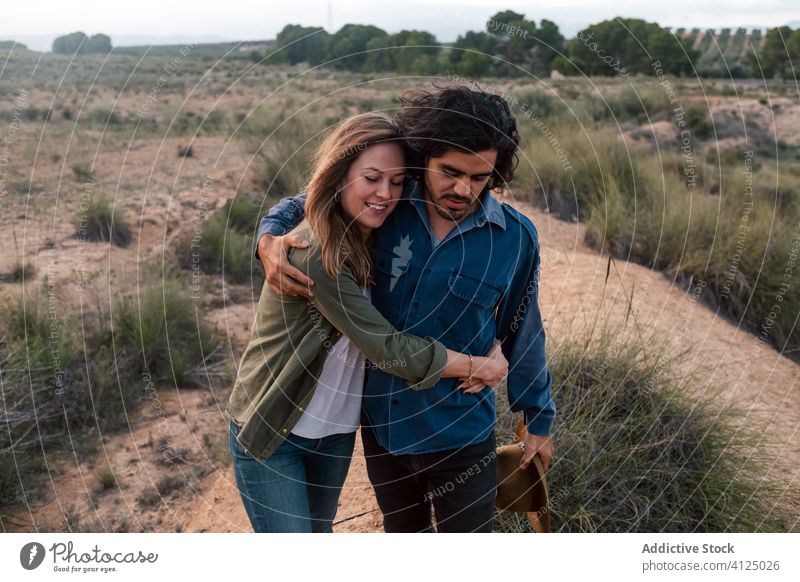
x=282 y=218
x=418 y=360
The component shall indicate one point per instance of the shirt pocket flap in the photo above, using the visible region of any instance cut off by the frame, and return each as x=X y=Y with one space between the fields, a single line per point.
x=474 y=290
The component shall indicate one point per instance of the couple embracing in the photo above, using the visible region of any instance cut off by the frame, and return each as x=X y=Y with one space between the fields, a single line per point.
x=399 y=292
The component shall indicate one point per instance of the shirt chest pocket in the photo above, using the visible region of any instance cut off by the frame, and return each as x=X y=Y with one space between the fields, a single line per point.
x=466 y=315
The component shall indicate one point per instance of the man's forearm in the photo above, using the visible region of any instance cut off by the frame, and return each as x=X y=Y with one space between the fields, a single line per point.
x=529 y=381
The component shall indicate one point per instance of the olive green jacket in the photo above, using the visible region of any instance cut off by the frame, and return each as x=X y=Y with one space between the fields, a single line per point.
x=290 y=339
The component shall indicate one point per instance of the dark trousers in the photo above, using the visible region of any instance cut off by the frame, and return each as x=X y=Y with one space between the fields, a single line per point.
x=460 y=484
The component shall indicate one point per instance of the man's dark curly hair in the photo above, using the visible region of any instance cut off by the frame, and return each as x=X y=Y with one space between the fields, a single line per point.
x=459 y=118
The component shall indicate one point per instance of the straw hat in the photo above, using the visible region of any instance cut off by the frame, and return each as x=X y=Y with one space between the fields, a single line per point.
x=522 y=490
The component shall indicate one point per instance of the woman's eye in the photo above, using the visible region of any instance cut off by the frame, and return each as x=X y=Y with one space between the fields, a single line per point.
x=371 y=179
x=400 y=183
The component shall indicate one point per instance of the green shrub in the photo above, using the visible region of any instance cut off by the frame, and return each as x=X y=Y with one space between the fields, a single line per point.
x=159 y=331
x=21 y=272
x=103 y=117
x=282 y=143
x=107 y=479
x=591 y=163
x=57 y=385
x=42 y=394
x=535 y=100
x=641 y=446
x=642 y=103
x=166 y=486
x=742 y=253
x=698 y=123
x=82 y=173
x=191 y=123
x=226 y=242
x=243 y=213
x=98 y=221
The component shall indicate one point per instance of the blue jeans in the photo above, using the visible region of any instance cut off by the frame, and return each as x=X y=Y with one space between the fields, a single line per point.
x=297 y=488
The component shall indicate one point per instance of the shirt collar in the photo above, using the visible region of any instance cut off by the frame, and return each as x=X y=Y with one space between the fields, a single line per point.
x=489 y=208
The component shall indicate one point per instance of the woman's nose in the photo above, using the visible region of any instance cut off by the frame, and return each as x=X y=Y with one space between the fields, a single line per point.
x=384 y=190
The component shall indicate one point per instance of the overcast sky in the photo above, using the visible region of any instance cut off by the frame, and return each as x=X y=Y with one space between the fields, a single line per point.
x=36 y=22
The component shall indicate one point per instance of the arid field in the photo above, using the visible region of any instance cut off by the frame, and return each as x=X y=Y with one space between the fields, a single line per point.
x=131 y=189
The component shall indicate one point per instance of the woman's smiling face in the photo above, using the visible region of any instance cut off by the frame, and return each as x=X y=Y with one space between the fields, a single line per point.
x=373 y=185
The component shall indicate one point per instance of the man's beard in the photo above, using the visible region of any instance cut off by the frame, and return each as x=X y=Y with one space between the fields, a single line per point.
x=454 y=215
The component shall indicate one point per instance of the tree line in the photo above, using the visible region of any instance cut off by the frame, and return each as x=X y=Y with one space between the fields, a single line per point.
x=513 y=45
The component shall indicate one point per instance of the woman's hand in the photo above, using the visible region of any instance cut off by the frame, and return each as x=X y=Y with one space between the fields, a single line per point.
x=280 y=275
x=489 y=371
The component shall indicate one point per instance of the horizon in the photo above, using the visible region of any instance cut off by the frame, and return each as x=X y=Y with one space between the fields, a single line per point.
x=37 y=23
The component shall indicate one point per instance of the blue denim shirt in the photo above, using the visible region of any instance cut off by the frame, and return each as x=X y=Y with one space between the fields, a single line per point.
x=479 y=283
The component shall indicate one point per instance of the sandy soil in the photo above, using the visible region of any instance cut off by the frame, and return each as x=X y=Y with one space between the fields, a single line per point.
x=574 y=291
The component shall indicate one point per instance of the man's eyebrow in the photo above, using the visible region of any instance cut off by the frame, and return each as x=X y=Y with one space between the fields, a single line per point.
x=450 y=169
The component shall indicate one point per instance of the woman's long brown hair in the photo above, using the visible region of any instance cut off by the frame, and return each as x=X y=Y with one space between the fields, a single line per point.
x=340 y=239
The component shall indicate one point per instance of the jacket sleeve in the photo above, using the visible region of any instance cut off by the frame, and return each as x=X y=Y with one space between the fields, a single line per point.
x=420 y=361
x=522 y=333
x=282 y=217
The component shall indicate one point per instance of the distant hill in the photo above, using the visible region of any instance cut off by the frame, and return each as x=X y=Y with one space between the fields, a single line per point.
x=723 y=53
x=9 y=44
x=212 y=50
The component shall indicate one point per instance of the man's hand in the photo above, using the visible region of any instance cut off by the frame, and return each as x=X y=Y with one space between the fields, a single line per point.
x=279 y=274
x=533 y=444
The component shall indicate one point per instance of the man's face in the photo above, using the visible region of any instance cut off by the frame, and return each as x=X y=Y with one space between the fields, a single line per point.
x=455 y=180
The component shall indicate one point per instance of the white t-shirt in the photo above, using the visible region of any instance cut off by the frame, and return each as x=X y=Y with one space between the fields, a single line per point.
x=335 y=407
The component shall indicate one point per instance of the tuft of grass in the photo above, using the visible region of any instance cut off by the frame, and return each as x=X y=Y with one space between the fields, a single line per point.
x=642 y=446
x=82 y=173
x=165 y=487
x=226 y=242
x=21 y=272
x=282 y=143
x=106 y=479
x=160 y=332
x=574 y=171
x=99 y=221
x=537 y=101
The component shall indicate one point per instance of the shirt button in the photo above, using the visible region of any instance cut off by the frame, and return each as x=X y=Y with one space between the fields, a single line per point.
x=285 y=430
x=300 y=408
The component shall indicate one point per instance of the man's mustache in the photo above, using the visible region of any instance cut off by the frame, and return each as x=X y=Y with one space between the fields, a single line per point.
x=455 y=198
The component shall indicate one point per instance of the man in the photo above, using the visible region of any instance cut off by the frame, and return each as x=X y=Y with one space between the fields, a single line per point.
x=453 y=263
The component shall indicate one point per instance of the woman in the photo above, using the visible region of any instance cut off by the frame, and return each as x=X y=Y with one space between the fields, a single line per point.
x=295 y=406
